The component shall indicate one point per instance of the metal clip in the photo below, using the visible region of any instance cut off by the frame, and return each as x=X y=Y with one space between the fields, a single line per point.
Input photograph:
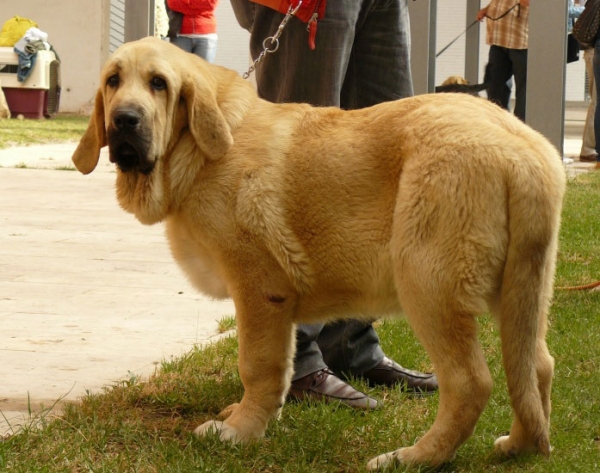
x=271 y=44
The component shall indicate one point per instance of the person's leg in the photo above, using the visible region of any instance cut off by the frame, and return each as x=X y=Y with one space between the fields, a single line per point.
x=519 y=62
x=183 y=42
x=588 y=145
x=499 y=71
x=379 y=66
x=596 y=63
x=312 y=378
x=350 y=347
x=205 y=47
x=308 y=354
x=295 y=73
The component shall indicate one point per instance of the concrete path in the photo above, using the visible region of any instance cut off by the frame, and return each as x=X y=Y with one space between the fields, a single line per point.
x=88 y=295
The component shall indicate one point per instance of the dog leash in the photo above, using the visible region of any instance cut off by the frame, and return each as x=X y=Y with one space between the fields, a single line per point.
x=579 y=288
x=517 y=5
x=456 y=39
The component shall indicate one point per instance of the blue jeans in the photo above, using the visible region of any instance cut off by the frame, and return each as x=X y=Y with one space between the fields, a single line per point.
x=205 y=47
x=503 y=64
x=362 y=58
x=596 y=67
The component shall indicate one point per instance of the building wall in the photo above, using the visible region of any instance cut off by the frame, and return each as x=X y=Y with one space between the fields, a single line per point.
x=84 y=32
x=77 y=30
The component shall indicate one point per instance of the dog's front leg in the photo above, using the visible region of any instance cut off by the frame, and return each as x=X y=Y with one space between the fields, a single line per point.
x=266 y=338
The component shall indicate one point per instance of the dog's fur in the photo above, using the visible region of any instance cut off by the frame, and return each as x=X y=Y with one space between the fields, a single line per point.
x=443 y=205
x=458 y=80
x=4 y=110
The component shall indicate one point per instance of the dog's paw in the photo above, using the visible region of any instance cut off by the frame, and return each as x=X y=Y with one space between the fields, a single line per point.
x=505 y=446
x=508 y=446
x=222 y=429
x=385 y=460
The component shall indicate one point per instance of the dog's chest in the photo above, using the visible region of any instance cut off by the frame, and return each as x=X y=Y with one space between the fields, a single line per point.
x=195 y=259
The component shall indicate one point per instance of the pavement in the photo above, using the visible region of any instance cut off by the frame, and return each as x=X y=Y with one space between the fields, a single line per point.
x=88 y=295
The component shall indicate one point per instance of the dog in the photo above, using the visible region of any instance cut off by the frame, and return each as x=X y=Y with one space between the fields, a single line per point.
x=4 y=110
x=438 y=206
x=461 y=85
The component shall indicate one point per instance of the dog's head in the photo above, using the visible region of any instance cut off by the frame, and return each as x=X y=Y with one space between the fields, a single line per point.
x=152 y=97
x=455 y=80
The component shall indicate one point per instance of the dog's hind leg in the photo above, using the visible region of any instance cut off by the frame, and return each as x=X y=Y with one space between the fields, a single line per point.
x=524 y=304
x=528 y=364
x=449 y=336
x=266 y=338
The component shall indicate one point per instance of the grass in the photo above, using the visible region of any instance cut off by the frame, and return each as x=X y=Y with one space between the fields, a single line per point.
x=146 y=425
x=62 y=127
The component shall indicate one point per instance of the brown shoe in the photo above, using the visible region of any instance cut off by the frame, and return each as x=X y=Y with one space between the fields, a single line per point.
x=597 y=167
x=325 y=386
x=390 y=373
x=590 y=158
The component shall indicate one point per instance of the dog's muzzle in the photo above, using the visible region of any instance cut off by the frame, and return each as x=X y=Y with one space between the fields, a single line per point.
x=129 y=141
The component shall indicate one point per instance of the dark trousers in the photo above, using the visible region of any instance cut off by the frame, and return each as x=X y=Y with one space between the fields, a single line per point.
x=362 y=58
x=503 y=64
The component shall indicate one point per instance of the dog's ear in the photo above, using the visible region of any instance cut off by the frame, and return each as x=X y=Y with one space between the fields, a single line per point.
x=205 y=119
x=87 y=153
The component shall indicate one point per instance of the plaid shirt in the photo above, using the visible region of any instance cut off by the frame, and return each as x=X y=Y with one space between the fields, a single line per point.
x=512 y=30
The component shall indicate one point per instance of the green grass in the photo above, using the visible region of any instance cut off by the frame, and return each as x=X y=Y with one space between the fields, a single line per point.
x=146 y=426
x=62 y=127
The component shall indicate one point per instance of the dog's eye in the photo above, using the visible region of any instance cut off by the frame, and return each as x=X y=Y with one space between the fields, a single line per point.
x=158 y=83
x=113 y=81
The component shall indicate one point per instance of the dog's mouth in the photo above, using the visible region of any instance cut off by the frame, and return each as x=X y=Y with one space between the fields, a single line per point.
x=129 y=157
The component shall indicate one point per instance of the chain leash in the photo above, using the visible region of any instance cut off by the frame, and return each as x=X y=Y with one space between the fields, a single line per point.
x=271 y=44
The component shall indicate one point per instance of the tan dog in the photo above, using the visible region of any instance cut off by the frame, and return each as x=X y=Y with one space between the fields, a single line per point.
x=455 y=80
x=4 y=110
x=442 y=205
x=461 y=85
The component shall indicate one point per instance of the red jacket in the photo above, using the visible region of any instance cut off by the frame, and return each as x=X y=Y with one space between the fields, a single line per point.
x=198 y=15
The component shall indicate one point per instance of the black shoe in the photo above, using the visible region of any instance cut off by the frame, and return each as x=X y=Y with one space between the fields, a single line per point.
x=590 y=158
x=390 y=373
x=324 y=385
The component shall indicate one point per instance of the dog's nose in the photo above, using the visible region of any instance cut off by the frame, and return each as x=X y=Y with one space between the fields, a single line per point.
x=126 y=120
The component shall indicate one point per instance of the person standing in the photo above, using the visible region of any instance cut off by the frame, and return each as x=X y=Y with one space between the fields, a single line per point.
x=360 y=58
x=596 y=70
x=196 y=30
x=588 y=142
x=507 y=25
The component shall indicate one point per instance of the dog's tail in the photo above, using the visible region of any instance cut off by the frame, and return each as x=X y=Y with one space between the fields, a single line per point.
x=535 y=195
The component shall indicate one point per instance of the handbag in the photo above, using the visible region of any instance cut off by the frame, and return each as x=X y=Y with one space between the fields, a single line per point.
x=572 y=48
x=585 y=29
x=307 y=11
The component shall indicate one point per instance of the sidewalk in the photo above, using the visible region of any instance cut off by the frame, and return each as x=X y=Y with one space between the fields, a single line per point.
x=88 y=295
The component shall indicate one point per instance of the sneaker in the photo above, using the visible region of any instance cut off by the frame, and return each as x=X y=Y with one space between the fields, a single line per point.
x=567 y=160
x=590 y=158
